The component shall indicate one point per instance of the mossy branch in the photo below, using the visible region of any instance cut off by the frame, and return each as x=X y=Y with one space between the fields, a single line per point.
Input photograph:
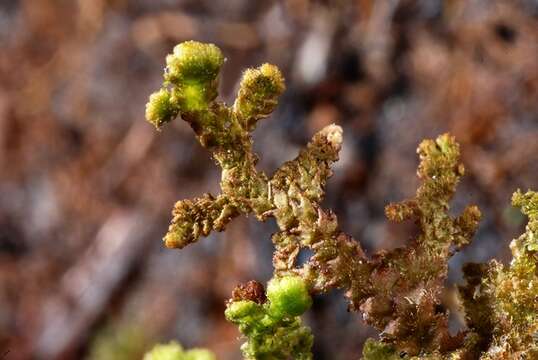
x=400 y=292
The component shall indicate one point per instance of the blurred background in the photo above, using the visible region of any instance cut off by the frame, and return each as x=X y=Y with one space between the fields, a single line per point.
x=87 y=186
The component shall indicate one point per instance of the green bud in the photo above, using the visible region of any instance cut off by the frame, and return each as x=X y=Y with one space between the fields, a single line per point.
x=193 y=61
x=288 y=296
x=258 y=93
x=241 y=309
x=192 y=70
x=161 y=109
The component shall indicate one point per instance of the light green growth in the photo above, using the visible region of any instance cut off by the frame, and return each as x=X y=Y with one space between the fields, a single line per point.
x=288 y=296
x=191 y=82
x=258 y=94
x=274 y=329
x=193 y=61
x=174 y=351
x=399 y=292
x=161 y=108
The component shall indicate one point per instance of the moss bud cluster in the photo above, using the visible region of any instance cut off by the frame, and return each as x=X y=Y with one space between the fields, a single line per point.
x=191 y=82
x=274 y=329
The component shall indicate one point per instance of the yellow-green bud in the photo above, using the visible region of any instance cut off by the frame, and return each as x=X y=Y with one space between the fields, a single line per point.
x=288 y=296
x=258 y=93
x=160 y=108
x=192 y=70
x=240 y=309
x=193 y=61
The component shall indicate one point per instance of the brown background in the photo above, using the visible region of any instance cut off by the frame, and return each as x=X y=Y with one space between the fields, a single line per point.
x=86 y=185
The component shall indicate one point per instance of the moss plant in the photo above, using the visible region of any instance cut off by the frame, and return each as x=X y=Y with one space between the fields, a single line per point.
x=399 y=292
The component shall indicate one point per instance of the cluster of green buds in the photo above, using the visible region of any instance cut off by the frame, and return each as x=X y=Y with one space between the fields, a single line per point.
x=399 y=292
x=190 y=82
x=272 y=324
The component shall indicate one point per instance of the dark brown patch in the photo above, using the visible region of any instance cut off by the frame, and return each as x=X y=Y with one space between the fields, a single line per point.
x=252 y=290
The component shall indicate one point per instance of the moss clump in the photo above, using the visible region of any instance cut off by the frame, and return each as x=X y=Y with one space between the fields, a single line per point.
x=399 y=292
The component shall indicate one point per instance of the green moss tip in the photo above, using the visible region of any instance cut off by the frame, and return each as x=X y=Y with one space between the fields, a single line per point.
x=190 y=82
x=193 y=61
x=266 y=80
x=160 y=108
x=288 y=296
x=240 y=309
x=258 y=93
